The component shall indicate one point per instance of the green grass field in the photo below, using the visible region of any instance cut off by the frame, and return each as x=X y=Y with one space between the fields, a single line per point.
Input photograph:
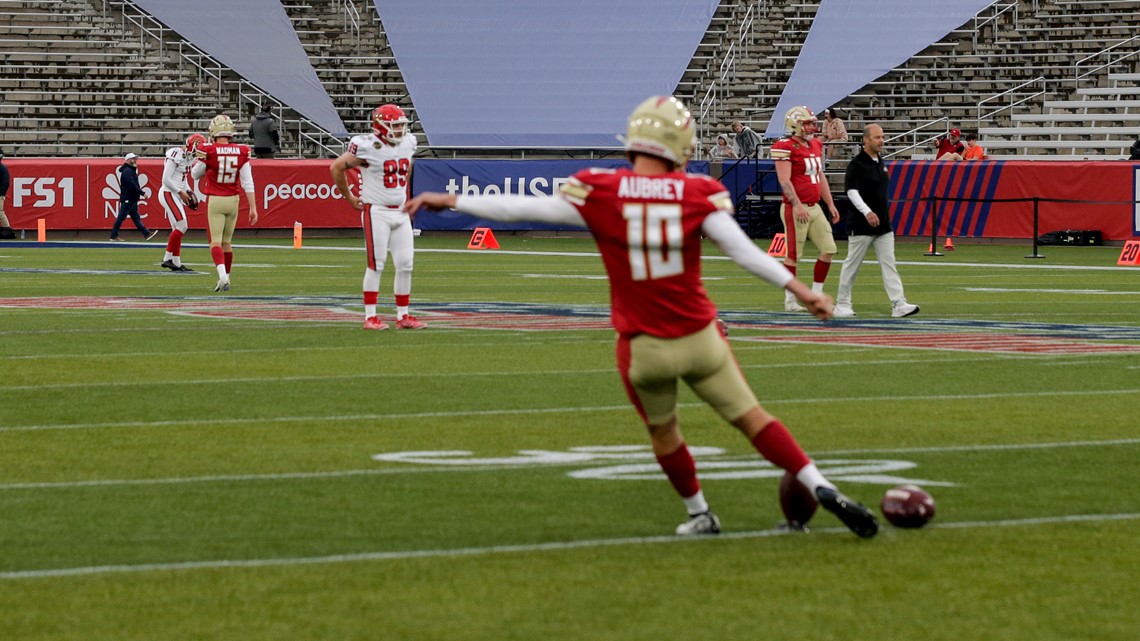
x=178 y=464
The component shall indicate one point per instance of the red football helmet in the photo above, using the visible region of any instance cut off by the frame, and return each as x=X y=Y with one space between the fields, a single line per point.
x=389 y=124
x=193 y=141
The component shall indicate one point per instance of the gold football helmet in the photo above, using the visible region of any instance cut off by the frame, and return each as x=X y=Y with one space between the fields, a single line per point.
x=661 y=126
x=800 y=121
x=221 y=127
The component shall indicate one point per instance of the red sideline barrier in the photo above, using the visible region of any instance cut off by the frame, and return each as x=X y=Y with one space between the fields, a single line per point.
x=83 y=194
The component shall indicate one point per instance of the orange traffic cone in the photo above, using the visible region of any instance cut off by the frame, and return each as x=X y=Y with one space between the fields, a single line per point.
x=949 y=246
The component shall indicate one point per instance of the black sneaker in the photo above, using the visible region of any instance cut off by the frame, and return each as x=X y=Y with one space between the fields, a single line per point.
x=183 y=268
x=150 y=234
x=854 y=515
x=169 y=264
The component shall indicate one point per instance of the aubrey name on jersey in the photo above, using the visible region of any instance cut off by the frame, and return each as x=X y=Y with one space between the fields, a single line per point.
x=652 y=252
x=179 y=162
x=224 y=164
x=807 y=165
x=384 y=175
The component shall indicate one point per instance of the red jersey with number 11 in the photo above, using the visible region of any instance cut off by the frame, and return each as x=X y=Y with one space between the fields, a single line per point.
x=648 y=230
x=806 y=157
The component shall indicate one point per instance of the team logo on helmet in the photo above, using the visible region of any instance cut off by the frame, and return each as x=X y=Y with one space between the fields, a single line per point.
x=221 y=126
x=798 y=121
x=661 y=126
x=193 y=141
x=390 y=124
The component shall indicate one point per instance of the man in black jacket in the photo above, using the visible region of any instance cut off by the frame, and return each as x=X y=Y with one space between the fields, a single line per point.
x=263 y=132
x=869 y=225
x=6 y=232
x=129 y=194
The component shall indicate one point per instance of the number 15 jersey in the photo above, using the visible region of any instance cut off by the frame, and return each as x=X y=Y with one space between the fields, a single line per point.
x=386 y=168
x=648 y=230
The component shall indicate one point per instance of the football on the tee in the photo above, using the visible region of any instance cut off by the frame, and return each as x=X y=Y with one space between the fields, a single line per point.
x=907 y=506
x=797 y=501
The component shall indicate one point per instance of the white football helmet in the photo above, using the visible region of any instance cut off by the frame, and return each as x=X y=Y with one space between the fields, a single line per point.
x=800 y=121
x=221 y=127
x=389 y=124
x=661 y=126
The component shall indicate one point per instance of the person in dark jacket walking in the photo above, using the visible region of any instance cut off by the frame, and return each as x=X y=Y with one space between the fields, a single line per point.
x=263 y=132
x=867 y=184
x=129 y=194
x=6 y=232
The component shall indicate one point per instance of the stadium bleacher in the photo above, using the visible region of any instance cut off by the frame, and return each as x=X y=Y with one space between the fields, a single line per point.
x=90 y=77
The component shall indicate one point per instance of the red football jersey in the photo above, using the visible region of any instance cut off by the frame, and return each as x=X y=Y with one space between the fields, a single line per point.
x=648 y=230
x=223 y=166
x=807 y=165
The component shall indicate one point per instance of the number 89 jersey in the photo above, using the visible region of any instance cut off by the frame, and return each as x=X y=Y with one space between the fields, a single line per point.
x=648 y=230
x=386 y=168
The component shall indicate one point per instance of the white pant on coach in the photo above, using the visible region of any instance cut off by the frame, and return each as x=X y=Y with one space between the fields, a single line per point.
x=885 y=253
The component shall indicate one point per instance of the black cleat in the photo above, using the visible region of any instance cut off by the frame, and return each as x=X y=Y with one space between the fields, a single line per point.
x=169 y=264
x=854 y=515
x=184 y=268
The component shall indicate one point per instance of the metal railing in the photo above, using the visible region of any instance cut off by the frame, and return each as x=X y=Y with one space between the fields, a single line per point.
x=1095 y=66
x=249 y=97
x=1015 y=95
x=999 y=9
x=915 y=138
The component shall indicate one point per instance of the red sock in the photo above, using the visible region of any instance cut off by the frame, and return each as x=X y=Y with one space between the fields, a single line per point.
x=777 y=444
x=821 y=269
x=229 y=261
x=370 y=298
x=174 y=243
x=402 y=300
x=216 y=254
x=681 y=470
x=791 y=268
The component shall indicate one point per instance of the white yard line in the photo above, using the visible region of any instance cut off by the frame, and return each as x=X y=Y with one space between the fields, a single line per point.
x=555 y=546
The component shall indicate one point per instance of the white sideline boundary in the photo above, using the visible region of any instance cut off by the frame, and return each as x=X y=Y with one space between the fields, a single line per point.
x=555 y=546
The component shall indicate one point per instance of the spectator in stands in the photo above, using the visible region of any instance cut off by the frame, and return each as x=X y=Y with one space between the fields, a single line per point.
x=974 y=151
x=798 y=158
x=747 y=143
x=1134 y=151
x=6 y=232
x=263 y=132
x=949 y=147
x=129 y=194
x=223 y=172
x=869 y=224
x=834 y=133
x=666 y=324
x=722 y=150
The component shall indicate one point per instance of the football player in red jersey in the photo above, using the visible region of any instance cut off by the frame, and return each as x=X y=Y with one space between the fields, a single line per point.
x=384 y=158
x=175 y=195
x=223 y=172
x=799 y=169
x=647 y=222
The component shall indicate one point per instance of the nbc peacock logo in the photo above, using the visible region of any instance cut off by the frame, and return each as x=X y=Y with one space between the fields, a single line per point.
x=114 y=189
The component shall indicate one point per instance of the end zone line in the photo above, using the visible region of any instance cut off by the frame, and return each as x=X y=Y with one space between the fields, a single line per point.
x=556 y=546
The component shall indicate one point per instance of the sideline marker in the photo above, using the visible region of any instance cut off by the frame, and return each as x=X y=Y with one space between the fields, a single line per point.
x=41 y=225
x=949 y=246
x=483 y=238
x=1130 y=255
x=296 y=235
x=779 y=246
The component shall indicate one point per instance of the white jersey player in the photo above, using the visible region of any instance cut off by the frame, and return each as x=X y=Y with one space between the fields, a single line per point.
x=384 y=159
x=175 y=195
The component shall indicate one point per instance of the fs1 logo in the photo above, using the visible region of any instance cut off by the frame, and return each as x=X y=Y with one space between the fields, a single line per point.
x=43 y=192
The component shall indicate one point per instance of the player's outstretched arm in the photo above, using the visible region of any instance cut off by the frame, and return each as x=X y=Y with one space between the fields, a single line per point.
x=502 y=207
x=722 y=229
